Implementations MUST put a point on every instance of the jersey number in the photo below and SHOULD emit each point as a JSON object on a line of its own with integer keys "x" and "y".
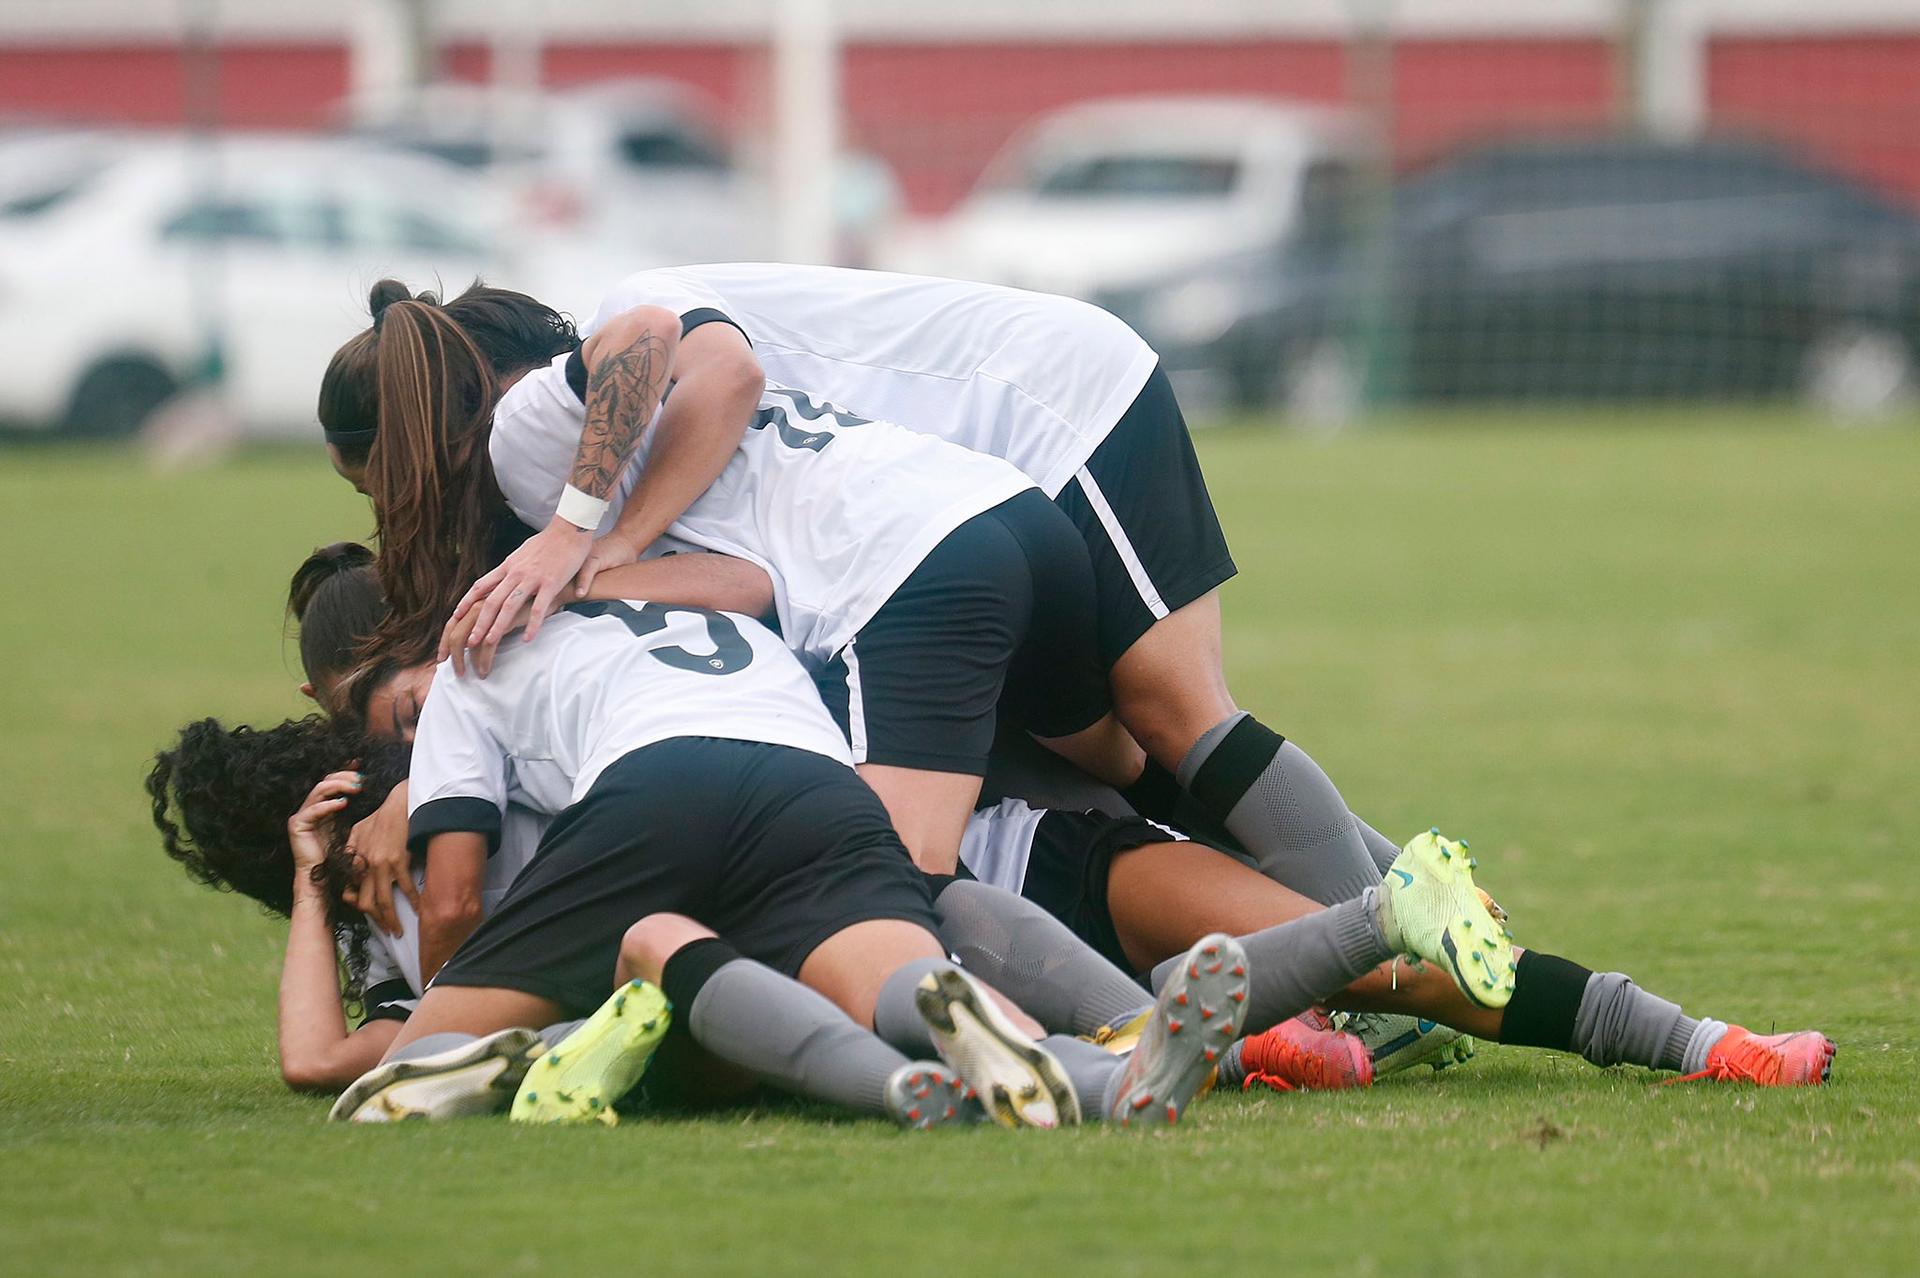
{"x": 731, "y": 651}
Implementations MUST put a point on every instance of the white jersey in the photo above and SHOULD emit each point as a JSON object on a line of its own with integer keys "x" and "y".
{"x": 1035, "y": 379}
{"x": 838, "y": 509}
{"x": 393, "y": 962}
{"x": 601, "y": 681}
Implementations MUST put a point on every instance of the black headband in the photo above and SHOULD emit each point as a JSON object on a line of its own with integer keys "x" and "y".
{"x": 349, "y": 438}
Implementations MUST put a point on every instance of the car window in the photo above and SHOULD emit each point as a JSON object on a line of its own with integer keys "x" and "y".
{"x": 43, "y": 197}
{"x": 376, "y": 223}
{"x": 1328, "y": 203}
{"x": 1138, "y": 174}
{"x": 668, "y": 149}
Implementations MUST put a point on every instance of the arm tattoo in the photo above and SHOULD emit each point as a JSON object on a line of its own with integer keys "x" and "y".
{"x": 623, "y": 392}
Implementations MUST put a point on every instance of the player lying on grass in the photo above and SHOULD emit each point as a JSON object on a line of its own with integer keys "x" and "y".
{"x": 930, "y": 577}
{"x": 1141, "y": 896}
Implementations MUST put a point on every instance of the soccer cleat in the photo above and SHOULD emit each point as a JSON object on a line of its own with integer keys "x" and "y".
{"x": 926, "y": 1094}
{"x": 580, "y": 1080}
{"x": 474, "y": 1078}
{"x": 1121, "y": 1039}
{"x": 1800, "y": 1059}
{"x": 1431, "y": 910}
{"x": 1196, "y": 1018}
{"x": 1018, "y": 1082}
{"x": 1398, "y": 1042}
{"x": 1299, "y": 1055}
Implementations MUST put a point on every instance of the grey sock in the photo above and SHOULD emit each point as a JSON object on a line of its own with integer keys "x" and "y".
{"x": 430, "y": 1044}
{"x": 1295, "y": 965}
{"x": 1035, "y": 959}
{"x": 1621, "y": 1024}
{"x": 1382, "y": 849}
{"x": 1092, "y": 1071}
{"x": 1288, "y": 816}
{"x": 556, "y": 1034}
{"x": 896, "y": 1017}
{"x": 785, "y": 1034}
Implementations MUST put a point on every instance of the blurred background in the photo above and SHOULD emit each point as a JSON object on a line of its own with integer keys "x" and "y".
{"x": 1317, "y": 211}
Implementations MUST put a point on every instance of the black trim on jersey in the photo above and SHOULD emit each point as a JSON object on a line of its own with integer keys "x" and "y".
{"x": 454, "y": 815}
{"x": 384, "y": 1001}
{"x": 577, "y": 362}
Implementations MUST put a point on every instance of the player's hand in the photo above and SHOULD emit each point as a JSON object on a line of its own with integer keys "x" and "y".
{"x": 532, "y": 576}
{"x": 307, "y": 829}
{"x": 378, "y": 846}
{"x": 470, "y": 651}
{"x": 611, "y": 551}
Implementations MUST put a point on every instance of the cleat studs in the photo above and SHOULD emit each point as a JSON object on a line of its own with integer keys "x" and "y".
{"x": 1215, "y": 968}
{"x": 1181, "y": 998}
{"x": 1467, "y": 925}
{"x": 1473, "y": 863}
{"x": 532, "y": 1096}
{"x": 553, "y": 1058}
{"x": 1206, "y": 1013}
{"x": 1173, "y": 1027}
{"x": 951, "y": 1111}
{"x": 1435, "y": 831}
{"x": 1173, "y": 1114}
{"x": 1238, "y": 996}
{"x": 619, "y": 1004}
{"x": 1211, "y": 1054}
{"x": 913, "y": 1115}
{"x": 1445, "y": 855}
{"x": 1193, "y": 972}
{"x": 1211, "y": 950}
{"x": 1465, "y": 844}
{"x": 1239, "y": 969}
{"x": 1141, "y": 1101}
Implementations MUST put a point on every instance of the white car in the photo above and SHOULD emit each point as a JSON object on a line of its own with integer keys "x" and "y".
{"x": 1111, "y": 193}
{"x": 121, "y": 254}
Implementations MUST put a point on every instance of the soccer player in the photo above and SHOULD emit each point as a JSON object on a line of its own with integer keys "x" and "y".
{"x": 923, "y": 579}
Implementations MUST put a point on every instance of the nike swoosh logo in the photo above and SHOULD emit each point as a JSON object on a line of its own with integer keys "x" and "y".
{"x": 1406, "y": 879}
{"x": 1453, "y": 957}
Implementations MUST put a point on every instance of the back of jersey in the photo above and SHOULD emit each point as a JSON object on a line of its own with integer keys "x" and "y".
{"x": 605, "y": 679}
{"x": 839, "y": 509}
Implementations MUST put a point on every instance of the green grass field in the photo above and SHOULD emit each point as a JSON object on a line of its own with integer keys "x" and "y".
{"x": 1663, "y": 674}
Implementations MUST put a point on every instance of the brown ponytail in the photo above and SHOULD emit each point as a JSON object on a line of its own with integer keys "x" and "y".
{"x": 428, "y": 473}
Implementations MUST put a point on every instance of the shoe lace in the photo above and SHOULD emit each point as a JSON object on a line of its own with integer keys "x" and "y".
{"x": 1277, "y": 1062}
{"x": 1264, "y": 1079}
{"x": 1750, "y": 1060}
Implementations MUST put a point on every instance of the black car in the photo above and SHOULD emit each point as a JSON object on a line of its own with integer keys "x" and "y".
{"x": 1563, "y": 269}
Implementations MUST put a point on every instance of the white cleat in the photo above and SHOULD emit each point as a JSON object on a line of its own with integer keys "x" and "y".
{"x": 926, "y": 1094}
{"x": 1017, "y": 1081}
{"x": 480, "y": 1077}
{"x": 1197, "y": 1016}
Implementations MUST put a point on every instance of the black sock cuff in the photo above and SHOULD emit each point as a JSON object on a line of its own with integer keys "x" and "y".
{"x": 1154, "y": 794}
{"x": 1235, "y": 764}
{"x": 938, "y": 883}
{"x": 1546, "y": 1002}
{"x": 688, "y": 970}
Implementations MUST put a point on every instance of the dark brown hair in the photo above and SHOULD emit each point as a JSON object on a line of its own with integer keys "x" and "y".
{"x": 335, "y": 600}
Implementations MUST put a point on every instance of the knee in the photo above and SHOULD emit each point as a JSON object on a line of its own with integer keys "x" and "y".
{"x": 1165, "y": 718}
{"x": 648, "y": 944}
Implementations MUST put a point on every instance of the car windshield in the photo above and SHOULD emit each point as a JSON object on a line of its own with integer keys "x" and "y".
{"x": 1142, "y": 173}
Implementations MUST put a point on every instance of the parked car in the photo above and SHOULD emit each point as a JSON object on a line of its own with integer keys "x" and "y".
{"x": 118, "y": 253}
{"x": 1567, "y": 269}
{"x": 637, "y": 166}
{"x": 1110, "y": 193}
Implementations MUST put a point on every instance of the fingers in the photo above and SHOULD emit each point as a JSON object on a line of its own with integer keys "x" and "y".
{"x": 588, "y": 571}
{"x": 543, "y": 605}
{"x": 454, "y": 640}
{"x": 483, "y": 658}
{"x": 334, "y": 785}
{"x": 498, "y": 610}
{"x": 382, "y": 915}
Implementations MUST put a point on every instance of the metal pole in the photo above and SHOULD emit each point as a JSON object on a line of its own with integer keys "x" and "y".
{"x": 806, "y": 98}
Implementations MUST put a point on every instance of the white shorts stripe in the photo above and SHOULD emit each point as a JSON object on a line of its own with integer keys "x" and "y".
{"x": 1149, "y": 593}
{"x": 856, "y": 708}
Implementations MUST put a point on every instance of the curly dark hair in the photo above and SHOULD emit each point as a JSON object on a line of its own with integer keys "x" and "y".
{"x": 221, "y": 798}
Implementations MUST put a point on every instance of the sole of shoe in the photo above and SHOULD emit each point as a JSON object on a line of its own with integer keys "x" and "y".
{"x": 476, "y": 1078}
{"x": 1474, "y": 948}
{"x": 580, "y": 1080}
{"x": 1017, "y": 1081}
{"x": 923, "y": 1095}
{"x": 1197, "y": 1016}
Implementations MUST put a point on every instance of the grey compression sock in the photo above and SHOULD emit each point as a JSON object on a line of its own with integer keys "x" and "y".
{"x": 1281, "y": 807}
{"x": 1035, "y": 959}
{"x": 1295, "y": 965}
{"x": 785, "y": 1034}
{"x": 896, "y": 1017}
{"x": 1382, "y": 849}
{"x": 1621, "y": 1024}
{"x": 1093, "y": 1072}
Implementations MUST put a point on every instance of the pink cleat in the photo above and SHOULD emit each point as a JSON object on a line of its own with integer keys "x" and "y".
{"x": 1803, "y": 1058}
{"x": 1303, "y": 1055}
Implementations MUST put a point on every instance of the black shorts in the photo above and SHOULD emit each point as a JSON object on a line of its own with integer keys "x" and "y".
{"x": 776, "y": 849}
{"x": 1000, "y": 616}
{"x": 1142, "y": 505}
{"x": 1067, "y": 871}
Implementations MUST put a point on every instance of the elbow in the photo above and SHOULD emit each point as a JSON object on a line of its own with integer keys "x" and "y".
{"x": 302, "y": 1074}
{"x": 458, "y": 916}
{"x": 742, "y": 374}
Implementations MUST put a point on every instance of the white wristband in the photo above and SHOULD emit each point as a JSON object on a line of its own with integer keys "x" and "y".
{"x": 580, "y": 509}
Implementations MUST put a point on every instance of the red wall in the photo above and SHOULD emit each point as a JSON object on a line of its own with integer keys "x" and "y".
{"x": 938, "y": 112}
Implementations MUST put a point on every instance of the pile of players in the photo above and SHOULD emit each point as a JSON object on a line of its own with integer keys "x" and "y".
{"x": 812, "y": 679}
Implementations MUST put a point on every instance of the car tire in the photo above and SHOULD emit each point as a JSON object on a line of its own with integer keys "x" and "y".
{"x": 1858, "y": 372}
{"x": 1319, "y": 385}
{"x": 116, "y": 396}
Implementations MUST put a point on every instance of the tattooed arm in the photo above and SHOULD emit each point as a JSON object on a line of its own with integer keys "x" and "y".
{"x": 717, "y": 386}
{"x": 629, "y": 362}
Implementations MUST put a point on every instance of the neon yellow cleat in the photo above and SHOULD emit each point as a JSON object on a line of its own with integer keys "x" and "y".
{"x": 580, "y": 1080}
{"x": 1430, "y": 909}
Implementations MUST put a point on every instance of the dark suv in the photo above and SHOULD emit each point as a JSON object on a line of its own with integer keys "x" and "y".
{"x": 1561, "y": 269}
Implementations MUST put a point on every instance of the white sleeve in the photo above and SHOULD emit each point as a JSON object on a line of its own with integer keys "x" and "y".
{"x": 536, "y": 431}
{"x": 459, "y": 772}
{"x": 692, "y": 300}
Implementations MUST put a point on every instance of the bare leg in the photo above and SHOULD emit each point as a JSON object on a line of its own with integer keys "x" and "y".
{"x": 929, "y": 810}
{"x": 851, "y": 966}
{"x": 1171, "y": 685}
{"x": 473, "y": 1009}
{"x": 1106, "y": 751}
